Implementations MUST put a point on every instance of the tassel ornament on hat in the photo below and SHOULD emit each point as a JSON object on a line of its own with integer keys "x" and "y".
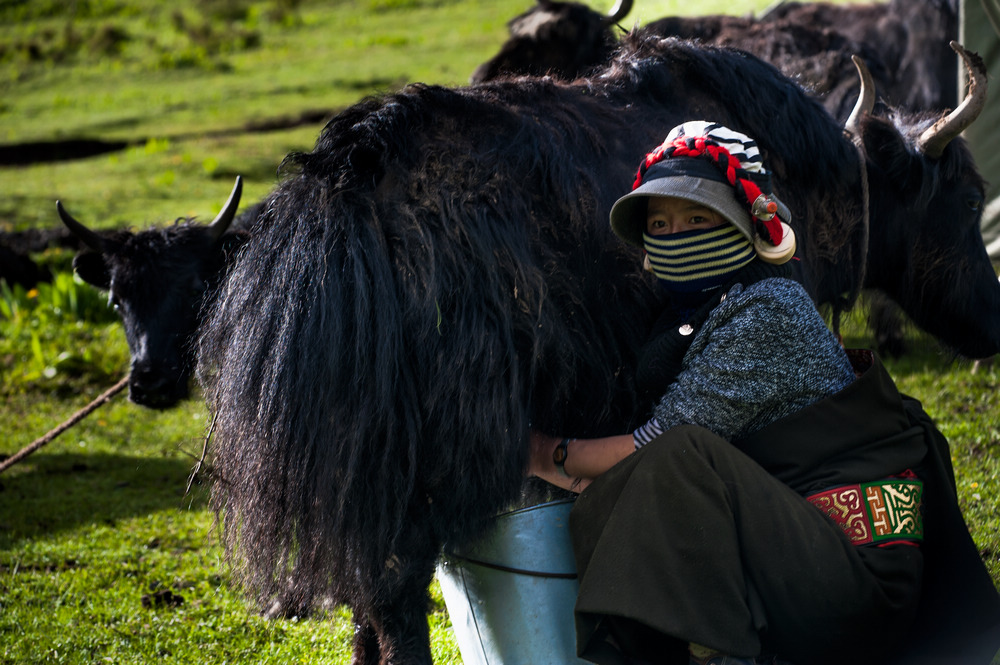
{"x": 776, "y": 254}
{"x": 765, "y": 208}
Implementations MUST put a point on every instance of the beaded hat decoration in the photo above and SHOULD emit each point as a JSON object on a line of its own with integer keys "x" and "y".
{"x": 716, "y": 167}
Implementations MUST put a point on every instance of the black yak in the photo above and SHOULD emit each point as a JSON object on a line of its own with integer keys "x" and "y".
{"x": 17, "y": 268}
{"x": 439, "y": 272}
{"x": 558, "y": 38}
{"x": 910, "y": 38}
{"x": 904, "y": 42}
{"x": 157, "y": 279}
{"x": 16, "y": 247}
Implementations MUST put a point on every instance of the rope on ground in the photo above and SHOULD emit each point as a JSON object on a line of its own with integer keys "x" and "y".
{"x": 74, "y": 419}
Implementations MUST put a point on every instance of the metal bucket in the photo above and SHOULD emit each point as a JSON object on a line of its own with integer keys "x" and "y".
{"x": 510, "y": 596}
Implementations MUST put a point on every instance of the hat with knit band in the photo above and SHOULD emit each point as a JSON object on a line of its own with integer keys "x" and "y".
{"x": 719, "y": 168}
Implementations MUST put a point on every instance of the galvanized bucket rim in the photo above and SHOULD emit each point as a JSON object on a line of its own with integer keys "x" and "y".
{"x": 480, "y": 557}
{"x": 537, "y": 506}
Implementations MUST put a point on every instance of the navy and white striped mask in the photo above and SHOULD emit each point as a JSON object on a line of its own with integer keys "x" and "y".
{"x": 698, "y": 260}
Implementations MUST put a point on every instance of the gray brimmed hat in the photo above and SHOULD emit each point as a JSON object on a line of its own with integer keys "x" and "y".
{"x": 718, "y": 168}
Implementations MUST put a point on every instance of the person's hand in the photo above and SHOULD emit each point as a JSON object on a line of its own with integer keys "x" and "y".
{"x": 586, "y": 458}
{"x": 540, "y": 454}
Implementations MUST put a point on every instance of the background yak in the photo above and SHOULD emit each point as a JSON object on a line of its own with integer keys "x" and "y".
{"x": 17, "y": 267}
{"x": 561, "y": 39}
{"x": 568, "y": 39}
{"x": 910, "y": 38}
{"x": 439, "y": 272}
{"x": 904, "y": 42}
{"x": 157, "y": 280}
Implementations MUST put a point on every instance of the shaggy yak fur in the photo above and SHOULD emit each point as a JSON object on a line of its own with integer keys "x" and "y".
{"x": 438, "y": 273}
{"x": 904, "y": 42}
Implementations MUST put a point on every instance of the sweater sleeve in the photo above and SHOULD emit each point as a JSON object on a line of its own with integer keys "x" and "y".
{"x": 763, "y": 353}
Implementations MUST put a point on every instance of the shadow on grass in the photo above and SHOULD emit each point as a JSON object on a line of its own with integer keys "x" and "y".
{"x": 42, "y": 152}
{"x": 59, "y": 492}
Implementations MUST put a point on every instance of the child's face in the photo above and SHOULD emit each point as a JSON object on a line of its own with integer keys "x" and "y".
{"x": 668, "y": 214}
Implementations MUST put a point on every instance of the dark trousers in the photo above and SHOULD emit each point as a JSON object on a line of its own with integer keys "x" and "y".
{"x": 690, "y": 540}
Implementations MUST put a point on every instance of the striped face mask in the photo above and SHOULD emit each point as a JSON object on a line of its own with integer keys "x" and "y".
{"x": 697, "y": 260}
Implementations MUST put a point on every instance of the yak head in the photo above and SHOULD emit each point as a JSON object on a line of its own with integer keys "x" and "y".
{"x": 156, "y": 280}
{"x": 926, "y": 249}
{"x": 563, "y": 39}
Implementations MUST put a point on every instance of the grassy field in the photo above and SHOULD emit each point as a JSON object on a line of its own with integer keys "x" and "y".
{"x": 103, "y": 556}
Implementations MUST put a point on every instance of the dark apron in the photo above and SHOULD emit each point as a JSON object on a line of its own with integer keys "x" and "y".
{"x": 695, "y": 539}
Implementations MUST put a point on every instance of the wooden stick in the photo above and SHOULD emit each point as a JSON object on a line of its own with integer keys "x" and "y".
{"x": 74, "y": 419}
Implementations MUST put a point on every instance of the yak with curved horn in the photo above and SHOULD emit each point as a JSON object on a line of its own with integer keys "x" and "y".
{"x": 904, "y": 42}
{"x": 914, "y": 266}
{"x": 439, "y": 272}
{"x": 156, "y": 280}
{"x": 555, "y": 38}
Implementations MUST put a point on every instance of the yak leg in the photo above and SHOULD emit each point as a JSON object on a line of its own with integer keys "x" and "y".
{"x": 886, "y": 322}
{"x": 396, "y": 633}
{"x": 403, "y": 633}
{"x": 397, "y": 616}
{"x": 366, "y": 649}
{"x": 404, "y": 636}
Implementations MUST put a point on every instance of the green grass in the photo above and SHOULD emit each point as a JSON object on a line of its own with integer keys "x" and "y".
{"x": 104, "y": 559}
{"x": 98, "y": 540}
{"x": 112, "y": 545}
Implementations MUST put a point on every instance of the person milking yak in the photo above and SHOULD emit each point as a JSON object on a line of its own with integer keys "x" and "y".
{"x": 784, "y": 503}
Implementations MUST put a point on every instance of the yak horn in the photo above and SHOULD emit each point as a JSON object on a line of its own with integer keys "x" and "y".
{"x": 226, "y": 216}
{"x": 618, "y": 12}
{"x": 86, "y": 236}
{"x": 934, "y": 140}
{"x": 866, "y": 98}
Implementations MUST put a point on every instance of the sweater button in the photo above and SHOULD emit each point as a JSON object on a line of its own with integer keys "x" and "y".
{"x": 685, "y": 329}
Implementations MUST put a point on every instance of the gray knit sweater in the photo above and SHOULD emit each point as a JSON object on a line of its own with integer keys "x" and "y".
{"x": 763, "y": 353}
